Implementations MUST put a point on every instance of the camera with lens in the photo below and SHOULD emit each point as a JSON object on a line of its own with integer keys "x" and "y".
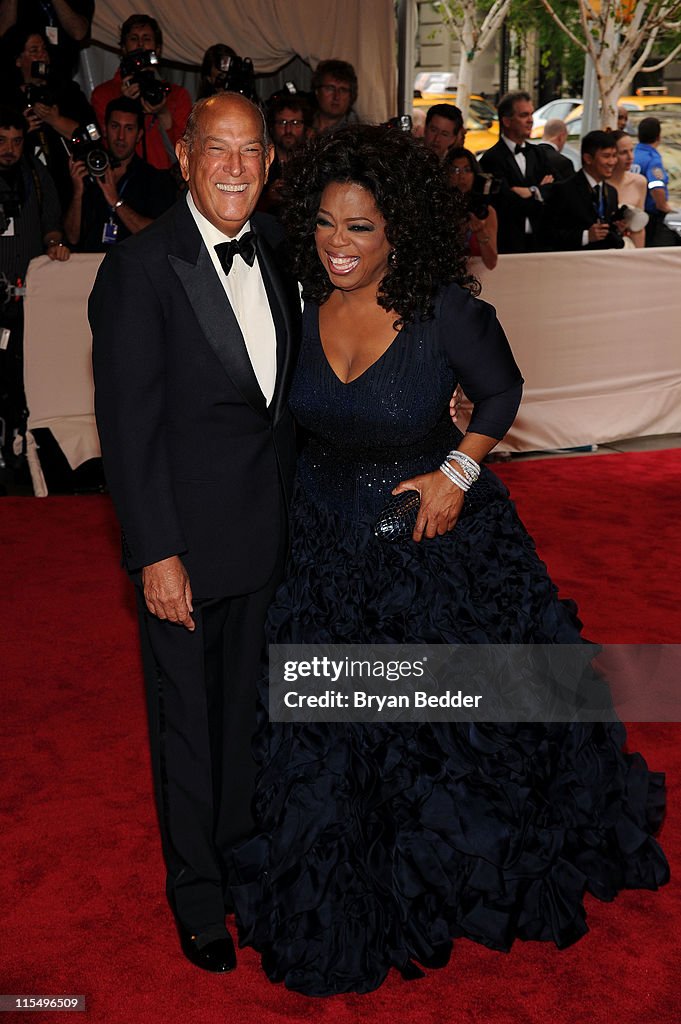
{"x": 140, "y": 66}
{"x": 86, "y": 145}
{"x": 10, "y": 207}
{"x": 236, "y": 74}
{"x": 484, "y": 185}
{"x": 39, "y": 92}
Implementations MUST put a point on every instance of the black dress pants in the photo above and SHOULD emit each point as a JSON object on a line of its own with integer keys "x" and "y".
{"x": 201, "y": 699}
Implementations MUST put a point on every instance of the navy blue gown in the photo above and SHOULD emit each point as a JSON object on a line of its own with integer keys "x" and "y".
{"x": 377, "y": 843}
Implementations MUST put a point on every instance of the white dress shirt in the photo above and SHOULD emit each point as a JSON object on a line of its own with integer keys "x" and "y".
{"x": 245, "y": 290}
{"x": 522, "y": 164}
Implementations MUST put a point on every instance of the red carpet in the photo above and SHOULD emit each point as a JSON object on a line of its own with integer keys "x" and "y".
{"x": 82, "y": 880}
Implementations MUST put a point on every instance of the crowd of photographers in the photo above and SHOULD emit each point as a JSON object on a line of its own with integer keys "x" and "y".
{"x": 79, "y": 175}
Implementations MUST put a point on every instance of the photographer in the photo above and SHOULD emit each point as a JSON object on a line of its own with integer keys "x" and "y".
{"x": 29, "y": 227}
{"x": 52, "y": 105}
{"x": 166, "y": 106}
{"x": 65, "y": 23}
{"x": 128, "y": 194}
{"x": 463, "y": 172}
{"x": 583, "y": 212}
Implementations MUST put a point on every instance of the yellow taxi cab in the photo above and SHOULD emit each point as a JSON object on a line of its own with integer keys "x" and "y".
{"x": 650, "y": 99}
{"x": 482, "y": 123}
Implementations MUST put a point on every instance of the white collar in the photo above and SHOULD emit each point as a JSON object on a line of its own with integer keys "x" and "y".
{"x": 211, "y": 235}
{"x": 592, "y": 181}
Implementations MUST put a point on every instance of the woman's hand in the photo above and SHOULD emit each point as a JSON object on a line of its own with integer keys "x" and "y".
{"x": 441, "y": 503}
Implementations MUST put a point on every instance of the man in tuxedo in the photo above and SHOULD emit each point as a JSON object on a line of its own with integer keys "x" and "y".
{"x": 194, "y": 325}
{"x": 582, "y": 211}
{"x": 553, "y": 140}
{"x": 524, "y": 172}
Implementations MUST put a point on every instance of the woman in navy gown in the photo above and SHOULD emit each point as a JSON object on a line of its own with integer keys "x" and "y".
{"x": 377, "y": 844}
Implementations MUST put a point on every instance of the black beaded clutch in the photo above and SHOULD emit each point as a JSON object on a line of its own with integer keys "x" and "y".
{"x": 398, "y": 519}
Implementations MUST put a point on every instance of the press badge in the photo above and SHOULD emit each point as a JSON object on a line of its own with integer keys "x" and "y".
{"x": 52, "y": 33}
{"x": 110, "y": 233}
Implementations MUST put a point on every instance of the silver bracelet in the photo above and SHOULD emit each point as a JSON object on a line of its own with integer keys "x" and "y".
{"x": 456, "y": 478}
{"x": 469, "y": 467}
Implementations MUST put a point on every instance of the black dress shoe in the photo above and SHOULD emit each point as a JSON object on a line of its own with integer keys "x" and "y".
{"x": 216, "y": 955}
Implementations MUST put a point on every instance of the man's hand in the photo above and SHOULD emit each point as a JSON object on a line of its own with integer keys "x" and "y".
{"x": 34, "y": 122}
{"x": 598, "y": 231}
{"x": 47, "y": 114}
{"x": 108, "y": 186}
{"x": 167, "y": 591}
{"x": 547, "y": 180}
{"x": 58, "y": 251}
{"x": 130, "y": 89}
{"x": 78, "y": 172}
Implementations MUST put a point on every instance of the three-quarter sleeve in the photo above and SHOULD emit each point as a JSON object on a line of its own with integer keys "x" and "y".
{"x": 481, "y": 356}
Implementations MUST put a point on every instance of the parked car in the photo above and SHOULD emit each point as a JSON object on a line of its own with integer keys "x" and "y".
{"x": 561, "y": 108}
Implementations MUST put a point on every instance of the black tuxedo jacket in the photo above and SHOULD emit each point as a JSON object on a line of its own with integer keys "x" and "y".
{"x": 571, "y": 209}
{"x": 196, "y": 463}
{"x": 512, "y": 210}
{"x": 561, "y": 167}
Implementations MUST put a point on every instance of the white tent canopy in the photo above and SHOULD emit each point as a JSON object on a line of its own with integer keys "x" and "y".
{"x": 272, "y": 32}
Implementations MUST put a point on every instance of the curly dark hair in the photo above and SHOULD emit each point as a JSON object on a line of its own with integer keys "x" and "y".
{"x": 425, "y": 221}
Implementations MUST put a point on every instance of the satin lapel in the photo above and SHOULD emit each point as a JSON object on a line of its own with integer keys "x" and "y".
{"x": 280, "y": 309}
{"x": 219, "y": 324}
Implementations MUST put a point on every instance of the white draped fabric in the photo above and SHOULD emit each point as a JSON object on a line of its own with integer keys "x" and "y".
{"x": 272, "y": 32}
{"x": 595, "y": 334}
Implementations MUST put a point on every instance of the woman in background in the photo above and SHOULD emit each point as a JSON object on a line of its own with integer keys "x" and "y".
{"x": 462, "y": 170}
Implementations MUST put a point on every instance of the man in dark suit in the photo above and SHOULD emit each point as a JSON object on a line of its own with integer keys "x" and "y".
{"x": 582, "y": 211}
{"x": 194, "y": 325}
{"x": 524, "y": 172}
{"x": 554, "y": 138}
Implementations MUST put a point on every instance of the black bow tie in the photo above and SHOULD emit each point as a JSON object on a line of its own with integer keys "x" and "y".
{"x": 244, "y": 247}
{"x": 519, "y": 148}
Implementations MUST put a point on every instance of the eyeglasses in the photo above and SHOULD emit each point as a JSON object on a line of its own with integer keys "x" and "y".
{"x": 293, "y": 122}
{"x": 460, "y": 170}
{"x": 342, "y": 90}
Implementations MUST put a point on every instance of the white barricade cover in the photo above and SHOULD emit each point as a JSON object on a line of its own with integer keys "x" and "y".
{"x": 597, "y": 336}
{"x": 58, "y": 353}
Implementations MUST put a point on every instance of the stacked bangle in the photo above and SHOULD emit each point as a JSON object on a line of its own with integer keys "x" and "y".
{"x": 468, "y": 472}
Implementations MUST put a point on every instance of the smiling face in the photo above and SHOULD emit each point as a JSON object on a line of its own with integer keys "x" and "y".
{"x": 227, "y": 163}
{"x": 350, "y": 237}
{"x": 601, "y": 165}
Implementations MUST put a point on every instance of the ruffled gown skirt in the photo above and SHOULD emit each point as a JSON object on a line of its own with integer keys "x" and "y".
{"x": 378, "y": 843}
